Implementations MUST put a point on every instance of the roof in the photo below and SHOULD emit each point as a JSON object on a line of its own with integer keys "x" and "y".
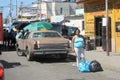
{"x": 44, "y": 31}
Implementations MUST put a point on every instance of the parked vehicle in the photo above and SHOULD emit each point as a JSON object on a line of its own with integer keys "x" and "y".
{"x": 42, "y": 43}
{"x": 1, "y": 70}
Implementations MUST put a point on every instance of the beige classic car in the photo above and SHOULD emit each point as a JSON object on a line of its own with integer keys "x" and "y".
{"x": 42, "y": 43}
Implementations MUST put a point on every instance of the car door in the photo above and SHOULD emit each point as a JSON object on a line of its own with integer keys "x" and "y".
{"x": 26, "y": 38}
{"x": 20, "y": 43}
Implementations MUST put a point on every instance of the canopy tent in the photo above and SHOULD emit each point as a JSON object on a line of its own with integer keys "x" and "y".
{"x": 38, "y": 26}
{"x": 19, "y": 25}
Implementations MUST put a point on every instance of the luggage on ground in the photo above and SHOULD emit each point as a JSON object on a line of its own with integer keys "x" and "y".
{"x": 95, "y": 66}
{"x": 84, "y": 66}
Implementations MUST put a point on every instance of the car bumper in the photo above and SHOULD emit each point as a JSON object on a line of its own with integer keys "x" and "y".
{"x": 50, "y": 51}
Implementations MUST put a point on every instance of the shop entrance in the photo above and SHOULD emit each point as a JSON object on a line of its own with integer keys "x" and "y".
{"x": 98, "y": 31}
{"x": 100, "y": 34}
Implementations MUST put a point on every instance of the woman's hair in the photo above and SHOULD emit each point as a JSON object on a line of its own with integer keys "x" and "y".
{"x": 76, "y": 30}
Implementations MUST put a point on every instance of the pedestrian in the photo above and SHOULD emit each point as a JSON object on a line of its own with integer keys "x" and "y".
{"x": 78, "y": 46}
{"x": 64, "y": 31}
{"x": 20, "y": 34}
{"x": 5, "y": 37}
{"x": 26, "y": 32}
{"x": 70, "y": 33}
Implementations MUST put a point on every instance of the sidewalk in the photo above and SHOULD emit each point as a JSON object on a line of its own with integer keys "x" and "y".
{"x": 110, "y": 62}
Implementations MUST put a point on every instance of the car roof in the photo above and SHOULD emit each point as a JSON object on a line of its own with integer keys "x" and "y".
{"x": 43, "y": 31}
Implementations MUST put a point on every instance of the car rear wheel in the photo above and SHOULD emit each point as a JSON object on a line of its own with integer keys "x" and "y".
{"x": 63, "y": 56}
{"x": 29, "y": 56}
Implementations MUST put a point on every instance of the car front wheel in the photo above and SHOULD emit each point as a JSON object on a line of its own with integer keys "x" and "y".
{"x": 19, "y": 53}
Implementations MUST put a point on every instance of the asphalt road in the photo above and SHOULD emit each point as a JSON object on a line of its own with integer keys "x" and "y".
{"x": 18, "y": 68}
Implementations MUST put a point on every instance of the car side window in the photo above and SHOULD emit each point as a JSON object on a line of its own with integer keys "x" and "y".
{"x": 51, "y": 34}
{"x": 38, "y": 35}
{"x": 34, "y": 35}
{"x": 45, "y": 34}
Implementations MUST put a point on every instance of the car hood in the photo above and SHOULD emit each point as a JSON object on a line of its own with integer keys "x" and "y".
{"x": 51, "y": 40}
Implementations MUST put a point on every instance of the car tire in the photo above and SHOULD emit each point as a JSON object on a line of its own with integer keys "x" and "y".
{"x": 19, "y": 53}
{"x": 63, "y": 56}
{"x": 29, "y": 56}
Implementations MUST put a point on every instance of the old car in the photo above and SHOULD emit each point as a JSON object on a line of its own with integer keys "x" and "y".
{"x": 47, "y": 42}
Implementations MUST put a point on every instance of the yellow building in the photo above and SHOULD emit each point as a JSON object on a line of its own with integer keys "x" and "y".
{"x": 94, "y": 20}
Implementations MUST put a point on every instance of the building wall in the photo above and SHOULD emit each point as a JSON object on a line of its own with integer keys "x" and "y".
{"x": 96, "y": 8}
{"x": 117, "y": 24}
{"x": 65, "y": 8}
{"x": 49, "y": 9}
{"x": 60, "y": 8}
{"x": 45, "y": 10}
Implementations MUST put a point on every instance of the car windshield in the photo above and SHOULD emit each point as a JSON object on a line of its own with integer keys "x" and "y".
{"x": 45, "y": 34}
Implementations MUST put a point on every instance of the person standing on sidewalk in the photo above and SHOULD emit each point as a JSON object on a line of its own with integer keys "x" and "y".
{"x": 78, "y": 46}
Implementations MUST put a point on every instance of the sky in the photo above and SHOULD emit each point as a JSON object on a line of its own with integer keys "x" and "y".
{"x": 6, "y": 4}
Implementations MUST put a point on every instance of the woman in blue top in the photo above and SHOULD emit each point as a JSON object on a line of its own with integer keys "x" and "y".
{"x": 78, "y": 46}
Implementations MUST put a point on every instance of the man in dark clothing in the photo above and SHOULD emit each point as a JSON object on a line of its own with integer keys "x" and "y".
{"x": 64, "y": 31}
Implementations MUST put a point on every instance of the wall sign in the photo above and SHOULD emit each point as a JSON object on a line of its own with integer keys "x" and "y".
{"x": 103, "y": 21}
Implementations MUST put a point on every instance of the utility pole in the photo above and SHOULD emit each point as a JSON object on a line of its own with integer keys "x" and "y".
{"x": 16, "y": 10}
{"x": 10, "y": 12}
{"x": 21, "y": 10}
{"x": 107, "y": 41}
{"x": 39, "y": 7}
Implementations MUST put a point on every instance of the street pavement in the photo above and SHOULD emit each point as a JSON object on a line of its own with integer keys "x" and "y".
{"x": 110, "y": 62}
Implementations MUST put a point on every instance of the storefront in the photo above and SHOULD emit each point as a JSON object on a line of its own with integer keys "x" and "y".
{"x": 94, "y": 20}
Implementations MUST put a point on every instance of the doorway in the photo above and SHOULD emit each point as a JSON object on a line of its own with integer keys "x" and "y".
{"x": 98, "y": 31}
{"x": 100, "y": 34}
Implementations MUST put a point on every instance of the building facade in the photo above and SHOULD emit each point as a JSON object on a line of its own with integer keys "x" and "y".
{"x": 44, "y": 10}
{"x": 94, "y": 21}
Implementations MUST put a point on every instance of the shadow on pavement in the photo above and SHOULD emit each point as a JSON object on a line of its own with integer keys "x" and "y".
{"x": 51, "y": 59}
{"x": 74, "y": 79}
{"x": 7, "y": 48}
{"x": 8, "y": 65}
